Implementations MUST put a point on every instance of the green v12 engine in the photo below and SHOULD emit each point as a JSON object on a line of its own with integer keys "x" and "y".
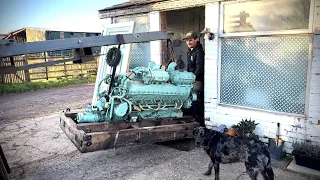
{"x": 143, "y": 94}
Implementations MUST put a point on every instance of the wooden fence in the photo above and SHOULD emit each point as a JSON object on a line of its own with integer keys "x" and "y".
{"x": 19, "y": 76}
{"x": 63, "y": 70}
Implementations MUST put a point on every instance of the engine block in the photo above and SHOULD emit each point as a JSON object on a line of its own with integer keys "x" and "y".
{"x": 145, "y": 93}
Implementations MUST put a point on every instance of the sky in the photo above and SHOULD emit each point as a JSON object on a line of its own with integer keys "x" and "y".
{"x": 76, "y": 15}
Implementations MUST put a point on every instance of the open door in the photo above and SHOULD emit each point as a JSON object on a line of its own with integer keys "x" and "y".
{"x": 103, "y": 67}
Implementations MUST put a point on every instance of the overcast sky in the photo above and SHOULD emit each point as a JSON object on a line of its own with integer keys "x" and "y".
{"x": 77, "y": 15}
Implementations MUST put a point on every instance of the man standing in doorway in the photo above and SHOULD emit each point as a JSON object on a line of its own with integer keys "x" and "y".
{"x": 195, "y": 59}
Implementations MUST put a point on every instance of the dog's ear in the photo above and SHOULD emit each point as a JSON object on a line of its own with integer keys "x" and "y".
{"x": 195, "y": 130}
{"x": 202, "y": 132}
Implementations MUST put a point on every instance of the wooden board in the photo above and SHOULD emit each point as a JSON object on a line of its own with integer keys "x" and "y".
{"x": 123, "y": 66}
{"x": 89, "y": 137}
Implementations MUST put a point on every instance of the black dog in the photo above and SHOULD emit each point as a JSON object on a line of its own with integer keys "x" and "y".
{"x": 223, "y": 148}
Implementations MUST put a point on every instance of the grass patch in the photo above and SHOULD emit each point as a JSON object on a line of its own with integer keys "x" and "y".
{"x": 33, "y": 86}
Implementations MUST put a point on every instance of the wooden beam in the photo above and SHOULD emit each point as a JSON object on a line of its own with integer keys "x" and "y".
{"x": 13, "y": 69}
{"x": 146, "y": 135}
{"x": 26, "y": 72}
{"x": 70, "y": 129}
{"x": 15, "y": 49}
{"x": 6, "y": 41}
{"x": 16, "y": 74}
{"x": 119, "y": 135}
{"x": 104, "y": 126}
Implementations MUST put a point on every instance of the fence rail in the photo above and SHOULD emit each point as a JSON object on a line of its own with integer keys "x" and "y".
{"x": 57, "y": 71}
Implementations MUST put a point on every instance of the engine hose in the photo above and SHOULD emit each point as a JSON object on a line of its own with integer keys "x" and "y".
{"x": 111, "y": 108}
{"x": 149, "y": 107}
{"x": 123, "y": 91}
{"x": 158, "y": 106}
{"x": 107, "y": 112}
{"x": 165, "y": 104}
{"x": 135, "y": 71}
{"x": 157, "y": 109}
{"x": 141, "y": 107}
{"x": 136, "y": 108}
{"x": 176, "y": 104}
{"x": 98, "y": 91}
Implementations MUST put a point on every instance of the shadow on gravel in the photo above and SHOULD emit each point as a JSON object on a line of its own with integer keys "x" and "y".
{"x": 181, "y": 144}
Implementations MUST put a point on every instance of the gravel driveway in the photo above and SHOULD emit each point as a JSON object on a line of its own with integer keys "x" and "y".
{"x": 36, "y": 147}
{"x": 42, "y": 102}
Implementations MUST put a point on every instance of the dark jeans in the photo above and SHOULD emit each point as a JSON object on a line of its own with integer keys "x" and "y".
{"x": 197, "y": 109}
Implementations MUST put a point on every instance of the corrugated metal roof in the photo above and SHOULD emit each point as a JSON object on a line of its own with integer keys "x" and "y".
{"x": 131, "y": 4}
{"x": 60, "y": 29}
{"x": 46, "y": 29}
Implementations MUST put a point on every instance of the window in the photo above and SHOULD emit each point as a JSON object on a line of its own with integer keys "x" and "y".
{"x": 260, "y": 69}
{"x": 265, "y": 72}
{"x": 52, "y": 35}
{"x": 140, "y": 53}
{"x": 267, "y": 16}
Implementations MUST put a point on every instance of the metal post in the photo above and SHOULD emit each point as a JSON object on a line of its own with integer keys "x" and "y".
{"x": 45, "y": 60}
{"x": 65, "y": 69}
{"x": 80, "y": 69}
{"x": 26, "y": 72}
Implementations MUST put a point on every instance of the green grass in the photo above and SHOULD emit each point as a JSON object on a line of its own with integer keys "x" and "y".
{"x": 32, "y": 86}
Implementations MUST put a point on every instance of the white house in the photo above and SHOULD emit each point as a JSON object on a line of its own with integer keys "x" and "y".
{"x": 263, "y": 64}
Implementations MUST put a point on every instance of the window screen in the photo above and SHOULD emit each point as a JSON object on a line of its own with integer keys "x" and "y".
{"x": 265, "y": 72}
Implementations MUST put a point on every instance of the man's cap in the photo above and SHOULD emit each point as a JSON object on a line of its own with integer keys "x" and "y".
{"x": 190, "y": 35}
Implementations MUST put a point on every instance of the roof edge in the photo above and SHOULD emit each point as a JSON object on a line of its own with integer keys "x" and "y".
{"x": 130, "y": 4}
{"x": 45, "y": 29}
{"x": 14, "y": 33}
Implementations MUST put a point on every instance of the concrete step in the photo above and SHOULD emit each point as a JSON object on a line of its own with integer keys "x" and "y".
{"x": 303, "y": 170}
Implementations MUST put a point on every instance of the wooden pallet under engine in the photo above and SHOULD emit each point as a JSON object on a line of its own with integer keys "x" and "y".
{"x": 89, "y": 137}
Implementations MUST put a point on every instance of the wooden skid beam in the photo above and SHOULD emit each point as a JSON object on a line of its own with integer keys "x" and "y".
{"x": 70, "y": 129}
{"x": 105, "y": 126}
{"x": 112, "y": 138}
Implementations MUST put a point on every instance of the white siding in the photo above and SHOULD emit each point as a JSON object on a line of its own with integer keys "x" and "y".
{"x": 292, "y": 128}
{"x": 155, "y": 46}
{"x": 211, "y": 62}
{"x": 313, "y": 128}
{"x": 102, "y": 63}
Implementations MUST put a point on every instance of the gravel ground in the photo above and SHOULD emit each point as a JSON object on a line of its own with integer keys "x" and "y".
{"x": 36, "y": 147}
{"x": 42, "y": 102}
